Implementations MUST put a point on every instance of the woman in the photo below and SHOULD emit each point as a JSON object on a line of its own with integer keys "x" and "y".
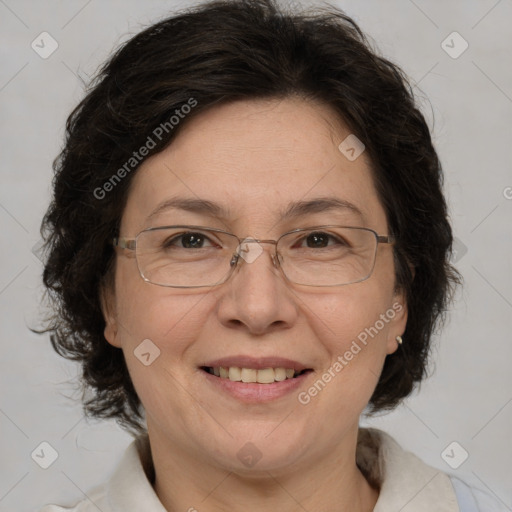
{"x": 248, "y": 245}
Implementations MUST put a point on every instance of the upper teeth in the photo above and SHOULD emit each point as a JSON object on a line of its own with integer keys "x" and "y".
{"x": 263, "y": 376}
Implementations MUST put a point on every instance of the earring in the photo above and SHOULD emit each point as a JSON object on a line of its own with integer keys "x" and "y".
{"x": 399, "y": 340}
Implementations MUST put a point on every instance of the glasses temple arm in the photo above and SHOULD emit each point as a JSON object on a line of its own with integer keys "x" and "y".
{"x": 386, "y": 239}
{"x": 124, "y": 243}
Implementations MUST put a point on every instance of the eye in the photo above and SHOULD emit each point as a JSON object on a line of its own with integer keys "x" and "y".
{"x": 320, "y": 240}
{"x": 188, "y": 240}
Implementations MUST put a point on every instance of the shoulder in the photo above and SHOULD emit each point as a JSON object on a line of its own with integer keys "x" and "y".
{"x": 405, "y": 480}
{"x": 128, "y": 489}
{"x": 96, "y": 500}
{"x": 471, "y": 499}
{"x": 83, "y": 506}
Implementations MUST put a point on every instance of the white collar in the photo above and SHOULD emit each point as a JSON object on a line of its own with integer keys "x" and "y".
{"x": 406, "y": 483}
{"x": 130, "y": 488}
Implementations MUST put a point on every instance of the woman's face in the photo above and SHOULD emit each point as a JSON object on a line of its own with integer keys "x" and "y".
{"x": 254, "y": 160}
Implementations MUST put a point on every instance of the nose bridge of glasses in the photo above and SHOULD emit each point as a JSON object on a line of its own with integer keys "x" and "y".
{"x": 250, "y": 249}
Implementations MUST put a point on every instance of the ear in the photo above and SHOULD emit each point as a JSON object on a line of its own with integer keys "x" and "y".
{"x": 108, "y": 308}
{"x": 398, "y": 321}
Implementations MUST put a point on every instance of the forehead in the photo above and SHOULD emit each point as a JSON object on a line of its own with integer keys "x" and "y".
{"x": 254, "y": 159}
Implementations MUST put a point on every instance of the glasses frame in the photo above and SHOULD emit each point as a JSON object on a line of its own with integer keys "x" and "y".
{"x": 131, "y": 245}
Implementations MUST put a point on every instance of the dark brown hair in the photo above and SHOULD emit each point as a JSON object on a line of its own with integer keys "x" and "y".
{"x": 216, "y": 53}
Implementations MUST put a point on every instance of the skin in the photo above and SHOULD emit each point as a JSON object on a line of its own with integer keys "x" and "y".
{"x": 253, "y": 158}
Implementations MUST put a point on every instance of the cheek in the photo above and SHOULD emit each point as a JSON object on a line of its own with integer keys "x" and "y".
{"x": 349, "y": 315}
{"x": 157, "y": 328}
{"x": 352, "y": 327}
{"x": 158, "y": 335}
{"x": 348, "y": 328}
{"x": 172, "y": 322}
{"x": 145, "y": 310}
{"x": 353, "y": 338}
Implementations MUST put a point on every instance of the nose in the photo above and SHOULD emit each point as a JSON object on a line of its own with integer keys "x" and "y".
{"x": 257, "y": 298}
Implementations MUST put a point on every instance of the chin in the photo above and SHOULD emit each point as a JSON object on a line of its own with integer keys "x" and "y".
{"x": 256, "y": 451}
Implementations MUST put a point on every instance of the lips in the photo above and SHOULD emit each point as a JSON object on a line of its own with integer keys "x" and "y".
{"x": 244, "y": 369}
{"x": 255, "y": 392}
{"x": 256, "y": 363}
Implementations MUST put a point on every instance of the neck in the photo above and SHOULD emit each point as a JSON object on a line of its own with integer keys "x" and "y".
{"x": 329, "y": 481}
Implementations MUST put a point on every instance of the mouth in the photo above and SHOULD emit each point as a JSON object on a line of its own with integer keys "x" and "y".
{"x": 252, "y": 380}
{"x": 254, "y": 375}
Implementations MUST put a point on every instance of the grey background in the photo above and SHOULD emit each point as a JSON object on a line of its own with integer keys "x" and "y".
{"x": 469, "y": 397}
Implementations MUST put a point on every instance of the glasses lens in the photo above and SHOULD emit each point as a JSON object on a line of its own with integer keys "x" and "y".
{"x": 187, "y": 257}
{"x": 328, "y": 256}
{"x": 184, "y": 256}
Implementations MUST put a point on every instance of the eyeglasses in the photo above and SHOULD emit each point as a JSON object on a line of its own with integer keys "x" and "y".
{"x": 195, "y": 256}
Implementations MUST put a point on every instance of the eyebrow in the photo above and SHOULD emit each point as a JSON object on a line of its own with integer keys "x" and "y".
{"x": 202, "y": 206}
{"x": 294, "y": 209}
{"x": 319, "y": 205}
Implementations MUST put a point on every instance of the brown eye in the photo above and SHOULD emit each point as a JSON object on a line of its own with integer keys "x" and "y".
{"x": 192, "y": 240}
{"x": 188, "y": 241}
{"x": 321, "y": 240}
{"x": 317, "y": 240}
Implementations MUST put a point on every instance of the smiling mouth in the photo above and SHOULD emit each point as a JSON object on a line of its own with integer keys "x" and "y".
{"x": 251, "y": 375}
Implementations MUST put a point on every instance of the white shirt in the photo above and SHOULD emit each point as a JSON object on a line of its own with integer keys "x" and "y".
{"x": 406, "y": 483}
